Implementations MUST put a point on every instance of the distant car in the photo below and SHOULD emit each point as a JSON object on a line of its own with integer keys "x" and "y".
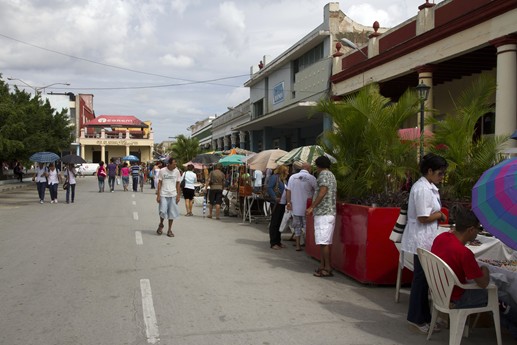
{"x": 88, "y": 168}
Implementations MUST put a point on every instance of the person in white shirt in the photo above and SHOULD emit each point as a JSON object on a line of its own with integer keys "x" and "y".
{"x": 424, "y": 213}
{"x": 70, "y": 174}
{"x": 168, "y": 195}
{"x": 188, "y": 190}
{"x": 300, "y": 187}
{"x": 41, "y": 181}
{"x": 54, "y": 178}
{"x": 257, "y": 181}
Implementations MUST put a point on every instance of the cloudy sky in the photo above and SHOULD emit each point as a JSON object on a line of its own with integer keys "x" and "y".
{"x": 172, "y": 62}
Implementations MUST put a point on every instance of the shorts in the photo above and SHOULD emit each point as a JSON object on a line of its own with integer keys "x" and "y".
{"x": 168, "y": 207}
{"x": 324, "y": 229}
{"x": 298, "y": 225}
{"x": 215, "y": 196}
{"x": 188, "y": 193}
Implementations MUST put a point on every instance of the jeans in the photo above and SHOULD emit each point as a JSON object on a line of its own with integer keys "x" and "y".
{"x": 42, "y": 187}
{"x": 53, "y": 190}
{"x": 274, "y": 225}
{"x": 419, "y": 311}
{"x": 70, "y": 187}
{"x": 135, "y": 183}
{"x": 111, "y": 182}
{"x": 472, "y": 299}
{"x": 101, "y": 184}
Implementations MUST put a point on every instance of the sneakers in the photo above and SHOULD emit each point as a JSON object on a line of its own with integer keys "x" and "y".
{"x": 423, "y": 328}
{"x": 41, "y": 201}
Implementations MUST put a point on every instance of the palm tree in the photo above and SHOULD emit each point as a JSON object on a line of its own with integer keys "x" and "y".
{"x": 184, "y": 149}
{"x": 454, "y": 139}
{"x": 371, "y": 158}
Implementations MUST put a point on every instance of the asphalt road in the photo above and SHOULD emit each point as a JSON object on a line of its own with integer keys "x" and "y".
{"x": 95, "y": 272}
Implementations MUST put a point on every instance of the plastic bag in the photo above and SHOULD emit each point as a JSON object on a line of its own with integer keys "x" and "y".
{"x": 287, "y": 220}
{"x": 118, "y": 180}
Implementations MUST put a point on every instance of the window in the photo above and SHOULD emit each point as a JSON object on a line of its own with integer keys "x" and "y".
{"x": 311, "y": 57}
{"x": 258, "y": 108}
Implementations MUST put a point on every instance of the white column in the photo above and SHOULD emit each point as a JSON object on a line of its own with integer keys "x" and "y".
{"x": 506, "y": 94}
{"x": 103, "y": 153}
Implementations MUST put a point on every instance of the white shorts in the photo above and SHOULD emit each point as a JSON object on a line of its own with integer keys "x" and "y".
{"x": 324, "y": 229}
{"x": 168, "y": 208}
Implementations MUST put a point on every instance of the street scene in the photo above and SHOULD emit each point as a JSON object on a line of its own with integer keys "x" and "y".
{"x": 95, "y": 272}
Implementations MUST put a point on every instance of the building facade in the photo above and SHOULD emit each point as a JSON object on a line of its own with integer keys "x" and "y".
{"x": 224, "y": 135}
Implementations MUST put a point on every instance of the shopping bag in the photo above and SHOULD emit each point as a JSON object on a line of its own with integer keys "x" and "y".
{"x": 118, "y": 180}
{"x": 286, "y": 221}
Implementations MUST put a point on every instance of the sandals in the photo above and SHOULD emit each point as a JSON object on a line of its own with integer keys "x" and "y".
{"x": 170, "y": 234}
{"x": 160, "y": 231}
{"x": 323, "y": 273}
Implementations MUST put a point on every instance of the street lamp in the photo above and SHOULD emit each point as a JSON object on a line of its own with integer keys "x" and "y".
{"x": 352, "y": 45}
{"x": 423, "y": 93}
{"x": 37, "y": 88}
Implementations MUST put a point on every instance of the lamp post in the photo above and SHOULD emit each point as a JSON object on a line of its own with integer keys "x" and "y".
{"x": 352, "y": 45}
{"x": 37, "y": 88}
{"x": 423, "y": 93}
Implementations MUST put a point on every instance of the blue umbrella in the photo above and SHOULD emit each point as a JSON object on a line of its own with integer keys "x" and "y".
{"x": 44, "y": 157}
{"x": 131, "y": 158}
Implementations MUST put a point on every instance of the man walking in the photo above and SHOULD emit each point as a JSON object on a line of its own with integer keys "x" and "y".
{"x": 300, "y": 187}
{"x": 215, "y": 194}
{"x": 168, "y": 195}
{"x": 135, "y": 172}
{"x": 112, "y": 174}
{"x": 324, "y": 209}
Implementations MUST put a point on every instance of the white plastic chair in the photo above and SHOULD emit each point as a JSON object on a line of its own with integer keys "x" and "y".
{"x": 441, "y": 279}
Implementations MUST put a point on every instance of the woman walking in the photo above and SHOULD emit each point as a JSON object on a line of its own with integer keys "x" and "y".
{"x": 54, "y": 178}
{"x": 424, "y": 213}
{"x": 187, "y": 181}
{"x": 101, "y": 176}
{"x": 124, "y": 172}
{"x": 70, "y": 174}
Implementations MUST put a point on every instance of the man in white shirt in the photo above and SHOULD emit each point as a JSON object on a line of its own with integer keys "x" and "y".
{"x": 168, "y": 195}
{"x": 300, "y": 187}
{"x": 257, "y": 181}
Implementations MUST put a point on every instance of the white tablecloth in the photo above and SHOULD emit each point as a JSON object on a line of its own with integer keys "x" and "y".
{"x": 490, "y": 248}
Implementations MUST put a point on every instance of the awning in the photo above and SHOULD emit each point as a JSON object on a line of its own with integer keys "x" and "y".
{"x": 116, "y": 121}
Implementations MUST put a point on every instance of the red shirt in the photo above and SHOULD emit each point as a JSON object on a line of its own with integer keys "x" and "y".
{"x": 460, "y": 259}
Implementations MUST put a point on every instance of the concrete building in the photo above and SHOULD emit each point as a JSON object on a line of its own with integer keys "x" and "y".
{"x": 445, "y": 46}
{"x": 224, "y": 135}
{"x": 284, "y": 91}
{"x": 202, "y": 130}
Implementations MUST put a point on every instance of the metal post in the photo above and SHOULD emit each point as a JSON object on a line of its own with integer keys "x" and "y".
{"x": 422, "y": 114}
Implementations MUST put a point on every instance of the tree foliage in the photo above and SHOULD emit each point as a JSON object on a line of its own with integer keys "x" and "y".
{"x": 454, "y": 139}
{"x": 371, "y": 158}
{"x": 184, "y": 149}
{"x": 29, "y": 125}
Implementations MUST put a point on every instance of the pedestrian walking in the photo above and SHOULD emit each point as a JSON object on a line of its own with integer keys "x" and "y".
{"x": 40, "y": 178}
{"x": 124, "y": 172}
{"x": 324, "y": 209}
{"x": 189, "y": 178}
{"x": 215, "y": 193}
{"x": 101, "y": 176}
{"x": 141, "y": 176}
{"x": 168, "y": 195}
{"x": 112, "y": 174}
{"x": 54, "y": 179}
{"x": 277, "y": 197}
{"x": 135, "y": 173}
{"x": 70, "y": 174}
{"x": 18, "y": 171}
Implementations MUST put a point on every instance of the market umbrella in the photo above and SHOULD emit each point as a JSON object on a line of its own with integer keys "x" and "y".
{"x": 72, "y": 159}
{"x": 304, "y": 154}
{"x": 206, "y": 158}
{"x": 232, "y": 160}
{"x": 44, "y": 157}
{"x": 196, "y": 165}
{"x": 265, "y": 159}
{"x": 494, "y": 201}
{"x": 131, "y": 158}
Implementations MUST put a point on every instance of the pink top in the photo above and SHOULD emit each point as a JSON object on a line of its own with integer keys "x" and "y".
{"x": 124, "y": 171}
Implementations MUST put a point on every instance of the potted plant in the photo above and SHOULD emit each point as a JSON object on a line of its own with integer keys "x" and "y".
{"x": 371, "y": 163}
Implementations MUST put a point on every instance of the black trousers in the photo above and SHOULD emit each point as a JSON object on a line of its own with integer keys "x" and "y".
{"x": 275, "y": 236}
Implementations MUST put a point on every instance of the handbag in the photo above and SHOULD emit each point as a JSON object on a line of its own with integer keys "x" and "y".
{"x": 66, "y": 185}
{"x": 182, "y": 183}
{"x": 276, "y": 190}
{"x": 400, "y": 225}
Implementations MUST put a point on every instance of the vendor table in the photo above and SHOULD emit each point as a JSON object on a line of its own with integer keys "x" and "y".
{"x": 488, "y": 248}
{"x": 262, "y": 205}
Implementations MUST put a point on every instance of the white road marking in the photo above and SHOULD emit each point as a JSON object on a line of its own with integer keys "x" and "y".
{"x": 135, "y": 215}
{"x": 134, "y": 203}
{"x": 151, "y": 324}
{"x": 133, "y": 195}
{"x": 138, "y": 237}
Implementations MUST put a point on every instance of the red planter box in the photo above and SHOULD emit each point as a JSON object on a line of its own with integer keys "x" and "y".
{"x": 361, "y": 246}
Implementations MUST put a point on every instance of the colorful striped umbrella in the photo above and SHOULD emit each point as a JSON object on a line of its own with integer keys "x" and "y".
{"x": 306, "y": 154}
{"x": 494, "y": 201}
{"x": 265, "y": 159}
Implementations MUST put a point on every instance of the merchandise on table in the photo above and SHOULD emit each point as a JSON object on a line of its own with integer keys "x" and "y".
{"x": 510, "y": 265}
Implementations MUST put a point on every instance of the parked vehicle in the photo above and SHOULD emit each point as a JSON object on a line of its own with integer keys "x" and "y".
{"x": 88, "y": 168}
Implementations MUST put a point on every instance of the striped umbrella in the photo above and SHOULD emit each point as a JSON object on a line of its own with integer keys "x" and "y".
{"x": 494, "y": 201}
{"x": 306, "y": 154}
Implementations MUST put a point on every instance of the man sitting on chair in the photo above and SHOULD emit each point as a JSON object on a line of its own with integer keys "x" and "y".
{"x": 450, "y": 247}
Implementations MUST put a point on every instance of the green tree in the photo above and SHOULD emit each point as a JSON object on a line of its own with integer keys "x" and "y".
{"x": 371, "y": 158}
{"x": 184, "y": 149}
{"x": 454, "y": 139}
{"x": 29, "y": 125}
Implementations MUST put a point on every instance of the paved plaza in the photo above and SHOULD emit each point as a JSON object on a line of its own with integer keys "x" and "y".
{"x": 95, "y": 272}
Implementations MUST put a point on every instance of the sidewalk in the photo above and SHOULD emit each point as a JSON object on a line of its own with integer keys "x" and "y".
{"x": 11, "y": 184}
